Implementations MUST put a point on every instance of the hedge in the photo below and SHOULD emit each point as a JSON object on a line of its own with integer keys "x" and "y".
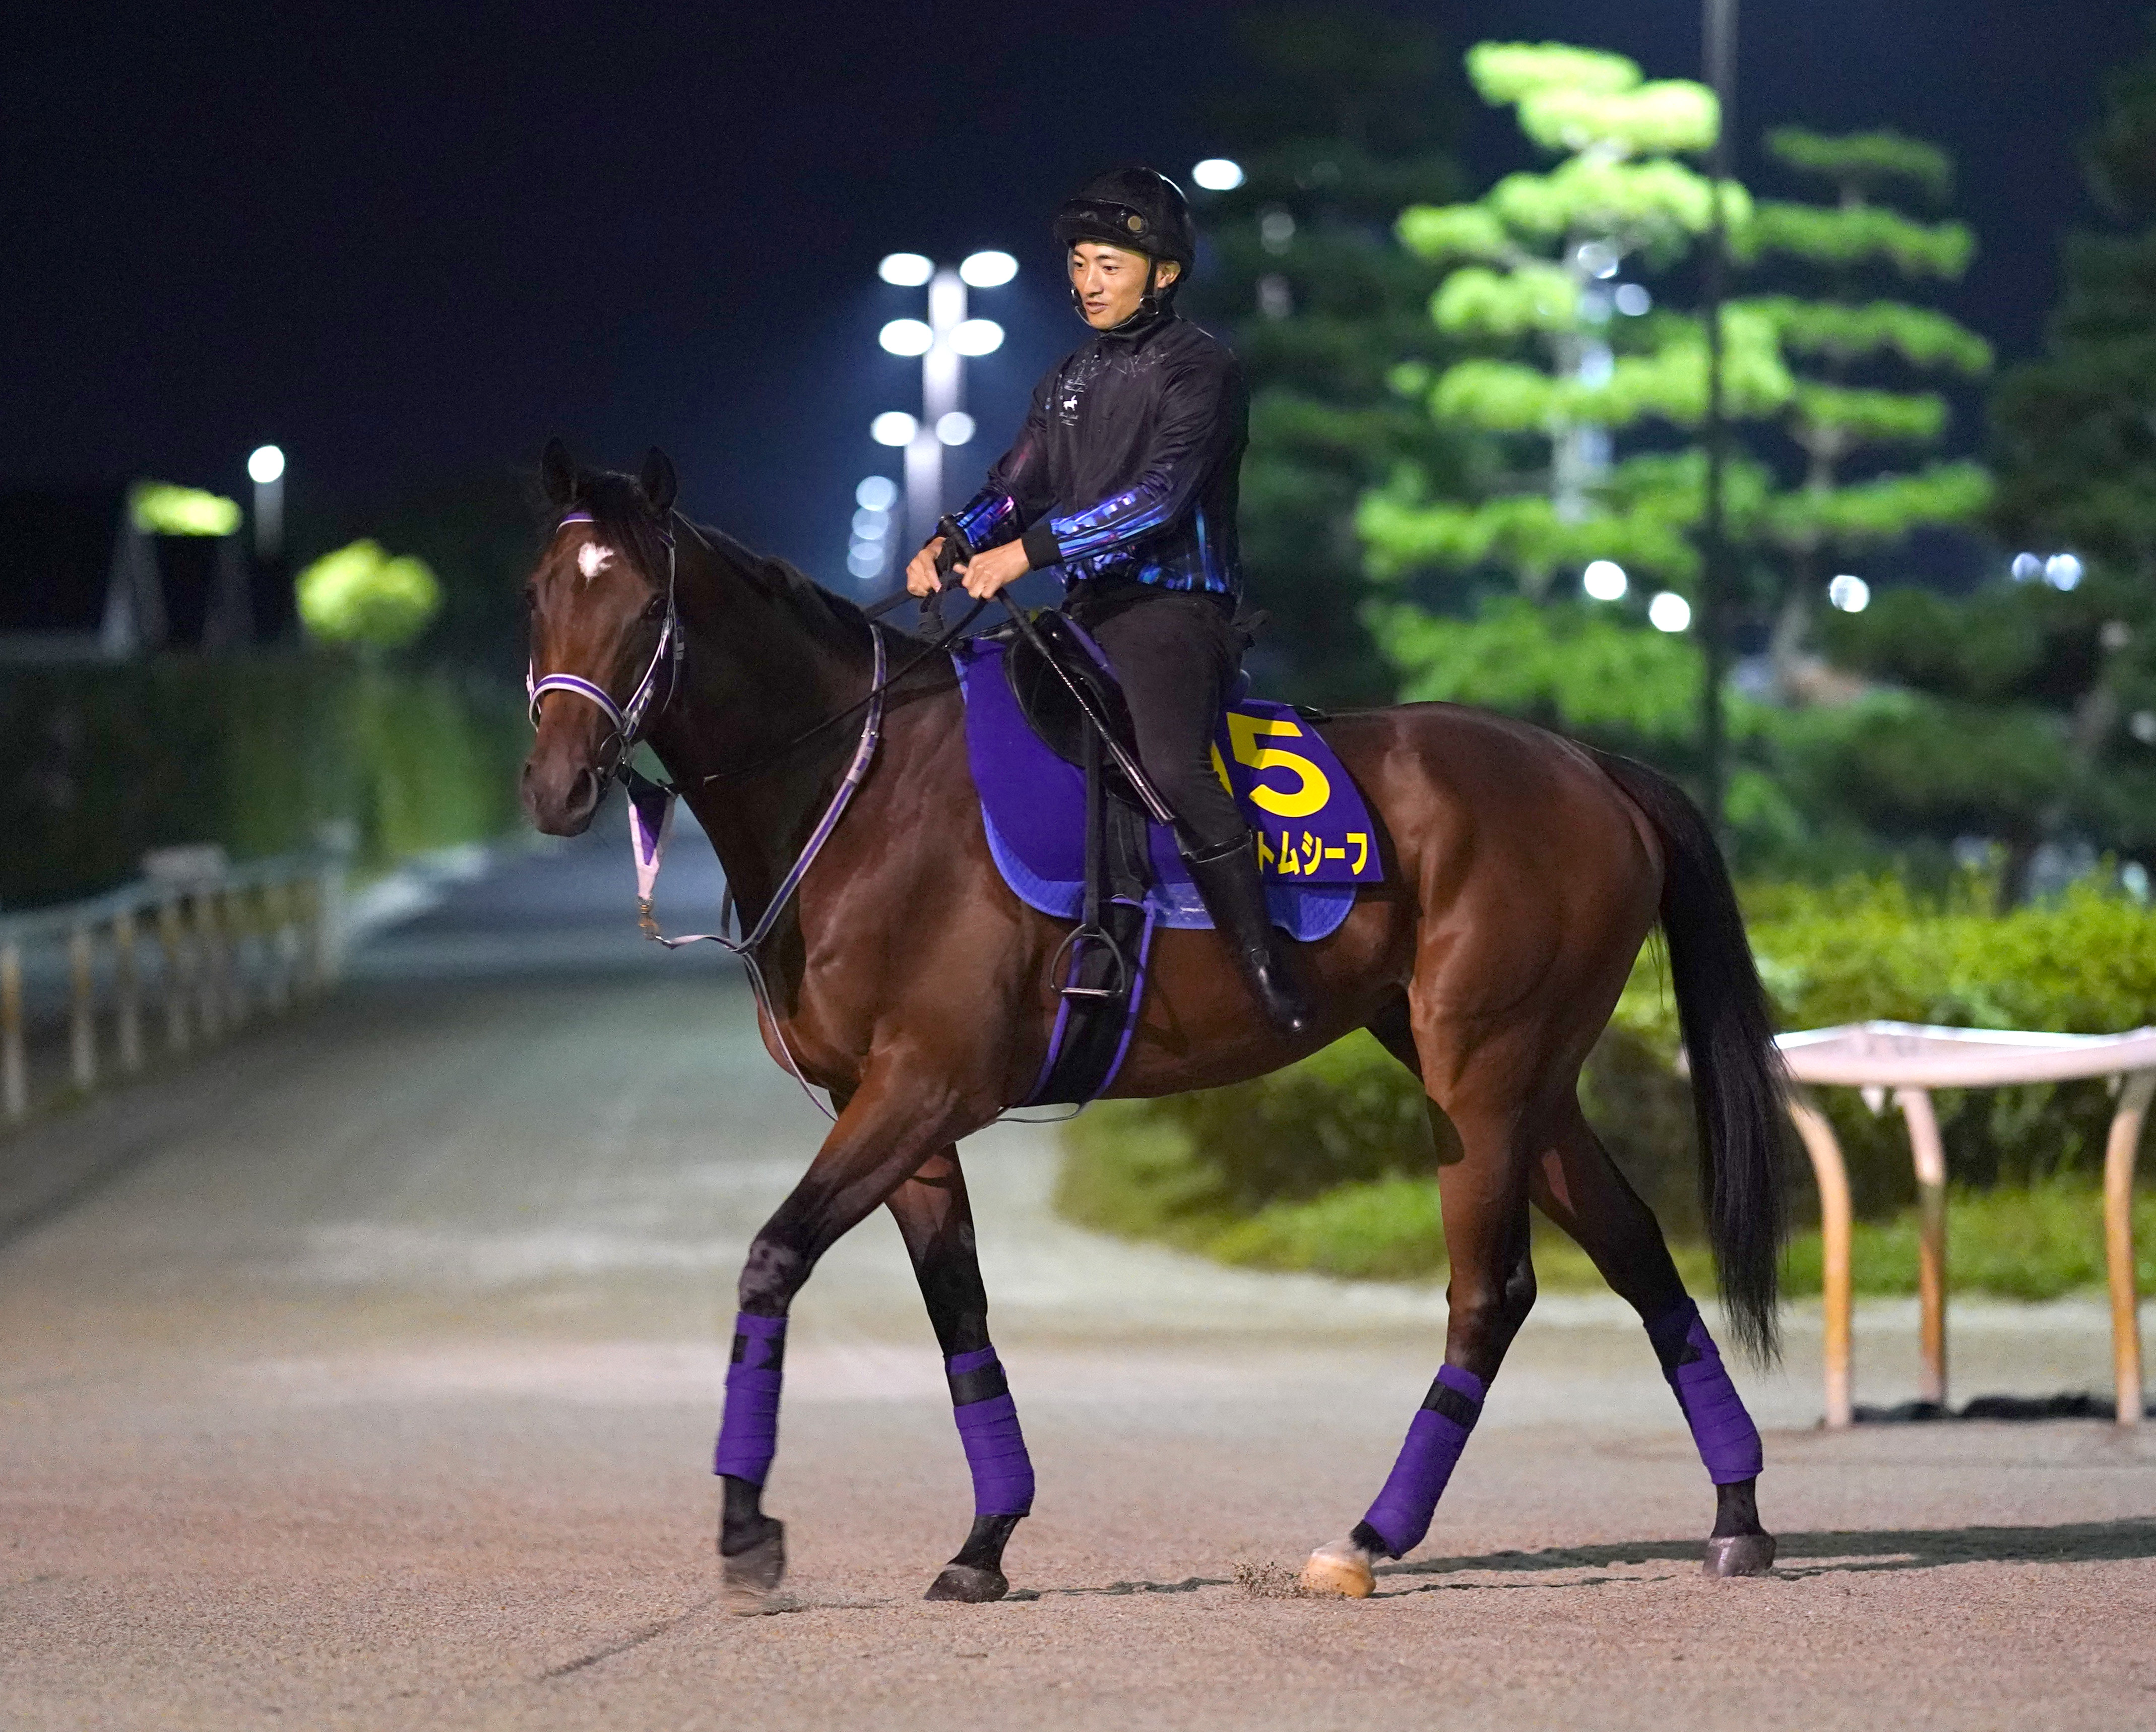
{"x": 1335, "y": 1151}
{"x": 255, "y": 751}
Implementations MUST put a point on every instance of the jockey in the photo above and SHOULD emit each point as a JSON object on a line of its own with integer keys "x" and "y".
{"x": 1123, "y": 483}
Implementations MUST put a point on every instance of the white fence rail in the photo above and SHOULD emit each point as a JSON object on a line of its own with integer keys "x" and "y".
{"x": 175, "y": 961}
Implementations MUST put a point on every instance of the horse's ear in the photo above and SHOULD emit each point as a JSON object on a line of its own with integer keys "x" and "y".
{"x": 558, "y": 469}
{"x": 658, "y": 480}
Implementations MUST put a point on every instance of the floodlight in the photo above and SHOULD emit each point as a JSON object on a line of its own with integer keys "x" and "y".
{"x": 265, "y": 465}
{"x": 1218, "y": 174}
{"x": 1850, "y": 595}
{"x": 1604, "y": 580}
{"x": 905, "y": 270}
{"x": 955, "y": 429}
{"x": 977, "y": 337}
{"x": 990, "y": 269}
{"x": 894, "y": 427}
{"x": 1668, "y": 612}
{"x": 906, "y": 336}
{"x": 876, "y": 493}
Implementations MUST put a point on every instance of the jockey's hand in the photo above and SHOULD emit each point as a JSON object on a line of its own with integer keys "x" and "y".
{"x": 921, "y": 578}
{"x": 991, "y": 570}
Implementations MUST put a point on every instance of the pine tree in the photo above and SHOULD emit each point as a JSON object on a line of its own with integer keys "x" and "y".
{"x": 1339, "y": 117}
{"x": 1572, "y": 357}
{"x": 1854, "y": 353}
{"x": 2075, "y": 442}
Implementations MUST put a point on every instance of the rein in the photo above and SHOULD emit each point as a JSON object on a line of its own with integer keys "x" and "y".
{"x": 651, "y": 803}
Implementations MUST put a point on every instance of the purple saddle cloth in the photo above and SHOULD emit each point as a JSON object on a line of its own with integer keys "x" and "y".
{"x": 1316, "y": 841}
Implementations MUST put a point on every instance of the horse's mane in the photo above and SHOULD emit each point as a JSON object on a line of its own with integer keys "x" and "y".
{"x": 618, "y": 506}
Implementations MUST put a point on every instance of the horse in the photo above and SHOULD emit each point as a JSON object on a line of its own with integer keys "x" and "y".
{"x": 1522, "y": 873}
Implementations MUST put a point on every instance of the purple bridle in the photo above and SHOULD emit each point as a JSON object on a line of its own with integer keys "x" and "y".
{"x": 627, "y": 719}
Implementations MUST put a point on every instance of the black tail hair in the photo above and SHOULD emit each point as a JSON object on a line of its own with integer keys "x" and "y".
{"x": 1739, "y": 1087}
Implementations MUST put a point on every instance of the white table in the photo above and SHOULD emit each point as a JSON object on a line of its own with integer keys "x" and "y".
{"x": 1912, "y": 1060}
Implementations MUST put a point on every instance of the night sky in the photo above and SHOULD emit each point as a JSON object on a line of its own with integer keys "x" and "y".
{"x": 408, "y": 243}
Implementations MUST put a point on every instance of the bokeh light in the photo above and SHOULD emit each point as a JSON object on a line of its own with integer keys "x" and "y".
{"x": 1605, "y": 579}
{"x": 1848, "y": 592}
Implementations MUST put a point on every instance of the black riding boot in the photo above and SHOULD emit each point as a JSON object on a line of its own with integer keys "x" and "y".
{"x": 1235, "y": 897}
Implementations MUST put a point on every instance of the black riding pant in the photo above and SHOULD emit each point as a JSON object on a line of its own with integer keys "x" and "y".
{"x": 1176, "y": 655}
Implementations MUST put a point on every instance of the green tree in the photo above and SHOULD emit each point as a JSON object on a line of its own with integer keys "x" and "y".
{"x": 1854, "y": 355}
{"x": 1339, "y": 116}
{"x": 1568, "y": 356}
{"x": 2074, "y": 445}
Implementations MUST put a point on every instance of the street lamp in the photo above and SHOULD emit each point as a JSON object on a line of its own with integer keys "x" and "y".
{"x": 265, "y": 468}
{"x": 944, "y": 341}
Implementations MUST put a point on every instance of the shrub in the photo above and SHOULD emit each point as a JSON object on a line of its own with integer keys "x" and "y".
{"x": 1343, "y": 1127}
{"x": 254, "y": 752}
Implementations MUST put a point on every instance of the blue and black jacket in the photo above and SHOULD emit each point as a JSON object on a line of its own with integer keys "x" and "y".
{"x": 1127, "y": 467}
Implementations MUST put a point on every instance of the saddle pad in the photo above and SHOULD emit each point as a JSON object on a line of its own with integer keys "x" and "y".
{"x": 1316, "y": 841}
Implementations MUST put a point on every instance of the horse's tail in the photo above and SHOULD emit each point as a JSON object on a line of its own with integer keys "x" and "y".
{"x": 1738, "y": 1084}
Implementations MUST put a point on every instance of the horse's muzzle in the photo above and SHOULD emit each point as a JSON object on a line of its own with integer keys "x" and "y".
{"x": 561, "y": 787}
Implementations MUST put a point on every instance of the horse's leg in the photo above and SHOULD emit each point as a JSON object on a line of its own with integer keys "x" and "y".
{"x": 899, "y": 1117}
{"x": 1578, "y": 1186}
{"x": 1482, "y": 1180}
{"x": 937, "y": 1219}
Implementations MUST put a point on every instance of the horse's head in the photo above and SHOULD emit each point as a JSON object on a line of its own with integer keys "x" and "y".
{"x": 605, "y": 638}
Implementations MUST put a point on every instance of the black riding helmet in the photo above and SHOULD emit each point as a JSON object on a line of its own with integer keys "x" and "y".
{"x": 1138, "y": 208}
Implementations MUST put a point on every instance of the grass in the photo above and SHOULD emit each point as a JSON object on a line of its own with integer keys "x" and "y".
{"x": 1133, "y": 1176}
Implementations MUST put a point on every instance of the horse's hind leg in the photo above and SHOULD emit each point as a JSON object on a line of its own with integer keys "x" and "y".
{"x": 1578, "y": 1186}
{"x": 937, "y": 1219}
{"x": 1483, "y": 1190}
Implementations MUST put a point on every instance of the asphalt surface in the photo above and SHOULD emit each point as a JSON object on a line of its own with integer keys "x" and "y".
{"x": 365, "y": 1373}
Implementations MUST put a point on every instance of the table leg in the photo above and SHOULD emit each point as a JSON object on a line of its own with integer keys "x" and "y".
{"x": 2118, "y": 1158}
{"x": 1931, "y": 1161}
{"x": 1832, "y": 1174}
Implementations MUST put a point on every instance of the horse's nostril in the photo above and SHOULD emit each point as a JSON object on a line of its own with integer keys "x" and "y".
{"x": 583, "y": 793}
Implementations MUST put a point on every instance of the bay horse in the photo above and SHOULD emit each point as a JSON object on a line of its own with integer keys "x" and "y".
{"x": 1522, "y": 873}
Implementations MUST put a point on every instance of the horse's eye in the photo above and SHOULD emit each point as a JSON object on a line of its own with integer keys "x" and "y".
{"x": 531, "y": 599}
{"x": 655, "y": 608}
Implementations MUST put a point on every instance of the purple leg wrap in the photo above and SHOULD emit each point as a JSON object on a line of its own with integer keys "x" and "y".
{"x": 748, "y": 1435}
{"x": 987, "y": 1425}
{"x": 1728, "y": 1442}
{"x": 1435, "y": 1438}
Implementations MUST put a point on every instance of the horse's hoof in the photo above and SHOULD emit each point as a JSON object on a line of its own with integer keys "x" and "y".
{"x": 751, "y": 1575}
{"x": 968, "y": 1584}
{"x": 1739, "y": 1555}
{"x": 1342, "y": 1568}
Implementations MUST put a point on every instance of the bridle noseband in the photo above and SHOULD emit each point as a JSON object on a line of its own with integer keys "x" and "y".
{"x": 627, "y": 719}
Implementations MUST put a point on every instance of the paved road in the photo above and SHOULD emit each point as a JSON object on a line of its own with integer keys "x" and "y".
{"x": 365, "y": 1375}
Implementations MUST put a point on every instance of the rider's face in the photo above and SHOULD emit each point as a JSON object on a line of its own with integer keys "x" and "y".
{"x": 1111, "y": 282}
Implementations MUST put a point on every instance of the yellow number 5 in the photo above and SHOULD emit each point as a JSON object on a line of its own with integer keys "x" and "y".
{"x": 1312, "y": 789}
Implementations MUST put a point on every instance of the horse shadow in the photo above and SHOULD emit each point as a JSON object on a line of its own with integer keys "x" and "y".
{"x": 1846, "y": 1551}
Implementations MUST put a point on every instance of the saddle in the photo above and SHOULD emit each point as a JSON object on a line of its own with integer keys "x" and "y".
{"x": 1074, "y": 838}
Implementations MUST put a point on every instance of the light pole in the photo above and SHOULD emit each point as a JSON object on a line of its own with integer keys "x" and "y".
{"x": 1718, "y": 21}
{"x": 265, "y": 468}
{"x": 943, "y": 341}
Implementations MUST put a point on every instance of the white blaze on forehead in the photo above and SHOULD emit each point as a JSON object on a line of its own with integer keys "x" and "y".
{"x": 592, "y": 558}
